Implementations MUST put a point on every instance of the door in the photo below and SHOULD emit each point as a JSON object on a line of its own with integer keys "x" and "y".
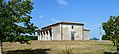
{"x": 72, "y": 35}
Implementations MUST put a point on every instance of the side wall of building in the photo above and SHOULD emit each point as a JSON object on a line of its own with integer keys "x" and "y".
{"x": 67, "y": 29}
{"x": 79, "y": 32}
{"x": 66, "y": 32}
{"x": 56, "y": 34}
{"x": 86, "y": 35}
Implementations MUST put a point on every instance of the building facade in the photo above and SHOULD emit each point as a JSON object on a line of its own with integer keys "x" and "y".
{"x": 64, "y": 31}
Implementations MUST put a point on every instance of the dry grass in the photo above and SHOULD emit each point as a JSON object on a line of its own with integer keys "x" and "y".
{"x": 56, "y": 47}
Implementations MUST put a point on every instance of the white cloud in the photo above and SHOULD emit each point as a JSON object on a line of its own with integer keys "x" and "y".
{"x": 41, "y": 16}
{"x": 62, "y": 2}
{"x": 54, "y": 20}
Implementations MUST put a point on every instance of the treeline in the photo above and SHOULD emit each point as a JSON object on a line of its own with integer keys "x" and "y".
{"x": 21, "y": 37}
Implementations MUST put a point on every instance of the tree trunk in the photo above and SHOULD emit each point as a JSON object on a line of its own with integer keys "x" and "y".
{"x": 117, "y": 50}
{"x": 1, "y": 47}
{"x": 117, "y": 46}
{"x": 0, "y": 44}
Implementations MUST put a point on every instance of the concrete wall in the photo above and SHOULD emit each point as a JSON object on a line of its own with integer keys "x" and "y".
{"x": 86, "y": 35}
{"x": 79, "y": 32}
{"x": 63, "y": 32}
{"x": 56, "y": 34}
{"x": 66, "y": 32}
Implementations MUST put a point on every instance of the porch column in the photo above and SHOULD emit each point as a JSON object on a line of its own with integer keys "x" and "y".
{"x": 48, "y": 34}
{"x": 51, "y": 35}
{"x": 39, "y": 36}
{"x": 43, "y": 36}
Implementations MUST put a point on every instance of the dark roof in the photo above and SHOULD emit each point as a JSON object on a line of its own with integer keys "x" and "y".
{"x": 62, "y": 23}
{"x": 86, "y": 30}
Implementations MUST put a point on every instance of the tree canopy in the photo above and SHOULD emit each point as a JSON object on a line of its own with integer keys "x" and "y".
{"x": 12, "y": 14}
{"x": 111, "y": 28}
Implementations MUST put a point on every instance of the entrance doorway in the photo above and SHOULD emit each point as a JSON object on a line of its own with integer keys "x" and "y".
{"x": 72, "y": 35}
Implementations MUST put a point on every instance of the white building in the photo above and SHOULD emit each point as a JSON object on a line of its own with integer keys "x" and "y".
{"x": 64, "y": 31}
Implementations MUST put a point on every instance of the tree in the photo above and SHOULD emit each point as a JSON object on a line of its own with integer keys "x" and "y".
{"x": 94, "y": 38}
{"x": 106, "y": 37}
{"x": 111, "y": 28}
{"x": 12, "y": 14}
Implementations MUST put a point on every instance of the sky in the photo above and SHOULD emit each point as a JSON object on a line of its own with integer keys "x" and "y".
{"x": 90, "y": 12}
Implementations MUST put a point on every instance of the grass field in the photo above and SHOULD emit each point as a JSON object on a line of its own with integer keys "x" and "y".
{"x": 56, "y": 47}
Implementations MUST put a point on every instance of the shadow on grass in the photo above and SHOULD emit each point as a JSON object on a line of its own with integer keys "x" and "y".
{"x": 28, "y": 51}
{"x": 109, "y": 53}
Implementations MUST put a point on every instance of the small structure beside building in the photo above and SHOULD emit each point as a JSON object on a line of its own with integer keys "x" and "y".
{"x": 64, "y": 31}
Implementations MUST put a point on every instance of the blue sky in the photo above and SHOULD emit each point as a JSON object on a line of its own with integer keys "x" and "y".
{"x": 90, "y": 12}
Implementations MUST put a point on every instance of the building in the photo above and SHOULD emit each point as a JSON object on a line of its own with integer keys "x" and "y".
{"x": 64, "y": 31}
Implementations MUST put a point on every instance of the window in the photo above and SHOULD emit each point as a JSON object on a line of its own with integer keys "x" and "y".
{"x": 72, "y": 27}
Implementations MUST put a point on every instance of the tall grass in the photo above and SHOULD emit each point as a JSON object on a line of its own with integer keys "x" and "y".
{"x": 68, "y": 50}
